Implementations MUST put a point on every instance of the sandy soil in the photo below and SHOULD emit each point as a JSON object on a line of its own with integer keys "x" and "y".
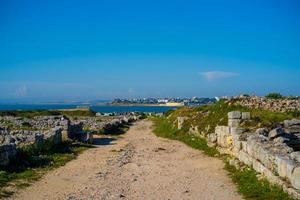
{"x": 137, "y": 166}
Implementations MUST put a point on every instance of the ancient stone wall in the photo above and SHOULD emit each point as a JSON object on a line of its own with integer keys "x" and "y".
{"x": 50, "y": 130}
{"x": 278, "y": 105}
{"x": 274, "y": 154}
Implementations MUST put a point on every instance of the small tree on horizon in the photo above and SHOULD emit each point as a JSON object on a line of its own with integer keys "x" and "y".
{"x": 274, "y": 96}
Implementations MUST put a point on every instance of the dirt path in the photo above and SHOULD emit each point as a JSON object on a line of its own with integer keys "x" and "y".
{"x": 137, "y": 166}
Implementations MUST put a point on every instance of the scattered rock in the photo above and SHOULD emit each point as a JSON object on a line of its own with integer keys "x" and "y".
{"x": 296, "y": 156}
{"x": 293, "y": 122}
{"x": 212, "y": 138}
{"x": 262, "y": 131}
{"x": 280, "y": 140}
{"x": 276, "y": 133}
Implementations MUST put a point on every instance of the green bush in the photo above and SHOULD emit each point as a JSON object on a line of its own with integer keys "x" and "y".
{"x": 274, "y": 96}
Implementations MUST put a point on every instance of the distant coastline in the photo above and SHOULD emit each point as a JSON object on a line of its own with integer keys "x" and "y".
{"x": 102, "y": 108}
{"x": 148, "y": 105}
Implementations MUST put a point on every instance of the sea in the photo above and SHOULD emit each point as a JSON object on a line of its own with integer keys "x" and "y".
{"x": 96, "y": 108}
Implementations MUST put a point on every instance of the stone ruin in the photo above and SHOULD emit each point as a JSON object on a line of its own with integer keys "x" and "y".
{"x": 276, "y": 105}
{"x": 272, "y": 153}
{"x": 13, "y": 140}
{"x": 53, "y": 129}
{"x": 180, "y": 122}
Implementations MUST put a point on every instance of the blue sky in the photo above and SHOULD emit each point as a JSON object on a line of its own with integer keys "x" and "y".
{"x": 78, "y": 50}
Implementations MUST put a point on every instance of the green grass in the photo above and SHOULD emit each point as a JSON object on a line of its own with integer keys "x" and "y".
{"x": 34, "y": 161}
{"x": 252, "y": 188}
{"x": 246, "y": 180}
{"x": 164, "y": 129}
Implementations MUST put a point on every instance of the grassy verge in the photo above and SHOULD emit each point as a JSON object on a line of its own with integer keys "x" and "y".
{"x": 252, "y": 188}
{"x": 246, "y": 180}
{"x": 33, "y": 161}
{"x": 163, "y": 128}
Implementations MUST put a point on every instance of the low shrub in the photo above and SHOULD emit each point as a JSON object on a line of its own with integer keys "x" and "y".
{"x": 274, "y": 96}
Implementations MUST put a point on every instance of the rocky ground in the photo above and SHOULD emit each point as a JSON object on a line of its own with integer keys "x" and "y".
{"x": 137, "y": 166}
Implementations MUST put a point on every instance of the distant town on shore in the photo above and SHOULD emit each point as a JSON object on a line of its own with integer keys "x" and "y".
{"x": 194, "y": 101}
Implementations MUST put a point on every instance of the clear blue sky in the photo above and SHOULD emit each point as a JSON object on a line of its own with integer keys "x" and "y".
{"x": 56, "y": 49}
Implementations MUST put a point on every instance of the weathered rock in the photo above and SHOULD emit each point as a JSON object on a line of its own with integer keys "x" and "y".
{"x": 276, "y": 133}
{"x": 262, "y": 131}
{"x": 2, "y": 139}
{"x": 212, "y": 138}
{"x": 246, "y": 115}
{"x": 224, "y": 138}
{"x": 281, "y": 140}
{"x": 237, "y": 131}
{"x": 54, "y": 136}
{"x": 293, "y": 122}
{"x": 86, "y": 137}
{"x": 285, "y": 166}
{"x": 7, "y": 151}
{"x": 234, "y": 122}
{"x": 296, "y": 178}
{"x": 296, "y": 156}
{"x": 9, "y": 139}
{"x": 180, "y": 121}
{"x": 193, "y": 130}
{"x": 234, "y": 115}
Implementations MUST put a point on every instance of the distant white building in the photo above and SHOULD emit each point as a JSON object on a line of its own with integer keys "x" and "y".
{"x": 162, "y": 100}
{"x": 194, "y": 98}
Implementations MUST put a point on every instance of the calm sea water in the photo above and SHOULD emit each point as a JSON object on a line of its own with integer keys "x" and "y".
{"x": 102, "y": 108}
